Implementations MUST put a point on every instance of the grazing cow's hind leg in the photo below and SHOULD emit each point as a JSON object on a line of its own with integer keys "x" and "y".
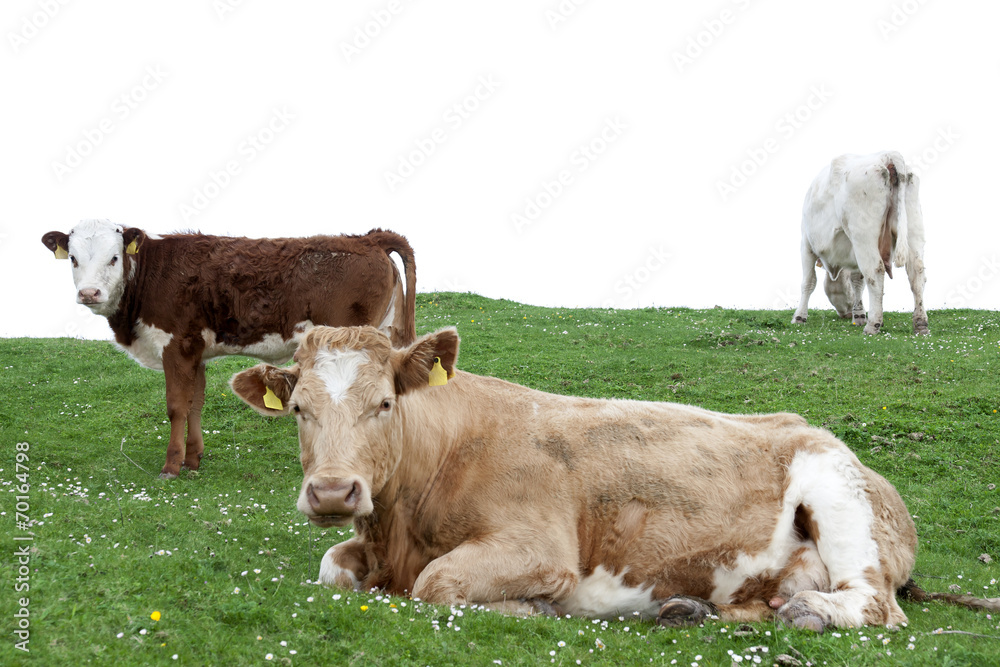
{"x": 808, "y": 284}
{"x": 858, "y": 308}
{"x": 915, "y": 273}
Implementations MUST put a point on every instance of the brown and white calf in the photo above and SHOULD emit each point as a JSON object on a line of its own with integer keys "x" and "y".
{"x": 861, "y": 215}
{"x": 178, "y": 300}
{"x": 481, "y": 491}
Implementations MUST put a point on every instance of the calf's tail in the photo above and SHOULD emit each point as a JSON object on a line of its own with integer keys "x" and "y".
{"x": 392, "y": 242}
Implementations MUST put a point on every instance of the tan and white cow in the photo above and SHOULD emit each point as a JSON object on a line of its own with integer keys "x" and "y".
{"x": 861, "y": 215}
{"x": 480, "y": 491}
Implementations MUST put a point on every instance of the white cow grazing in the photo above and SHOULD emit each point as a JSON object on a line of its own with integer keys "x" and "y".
{"x": 861, "y": 215}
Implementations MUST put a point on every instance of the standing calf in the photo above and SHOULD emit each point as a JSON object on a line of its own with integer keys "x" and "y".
{"x": 176, "y": 301}
{"x": 861, "y": 215}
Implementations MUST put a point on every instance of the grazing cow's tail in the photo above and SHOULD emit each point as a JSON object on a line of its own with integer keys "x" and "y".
{"x": 898, "y": 183}
{"x": 392, "y": 242}
{"x": 912, "y": 592}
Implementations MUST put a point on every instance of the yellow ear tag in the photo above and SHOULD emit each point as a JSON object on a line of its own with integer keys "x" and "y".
{"x": 61, "y": 252}
{"x": 438, "y": 375}
{"x": 271, "y": 400}
{"x": 132, "y": 248}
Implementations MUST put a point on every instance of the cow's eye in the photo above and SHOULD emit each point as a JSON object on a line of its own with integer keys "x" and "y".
{"x": 73, "y": 259}
{"x": 296, "y": 409}
{"x": 386, "y": 406}
{"x": 114, "y": 260}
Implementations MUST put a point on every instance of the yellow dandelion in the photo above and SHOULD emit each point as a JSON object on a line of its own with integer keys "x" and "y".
{"x": 364, "y": 607}
{"x": 155, "y": 616}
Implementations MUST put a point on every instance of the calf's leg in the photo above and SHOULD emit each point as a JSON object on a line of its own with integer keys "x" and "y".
{"x": 180, "y": 370}
{"x": 195, "y": 443}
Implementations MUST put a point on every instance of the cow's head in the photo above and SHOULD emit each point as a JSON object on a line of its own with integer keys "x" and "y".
{"x": 344, "y": 390}
{"x": 99, "y": 251}
{"x": 840, "y": 292}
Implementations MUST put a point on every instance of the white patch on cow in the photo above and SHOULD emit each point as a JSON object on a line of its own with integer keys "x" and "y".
{"x": 97, "y": 252}
{"x": 272, "y": 348}
{"x": 832, "y": 486}
{"x": 147, "y": 346}
{"x": 338, "y": 370}
{"x": 605, "y": 595}
{"x": 330, "y": 572}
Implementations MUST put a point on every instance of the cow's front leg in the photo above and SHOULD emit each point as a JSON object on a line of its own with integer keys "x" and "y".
{"x": 508, "y": 576}
{"x": 180, "y": 369}
{"x": 345, "y": 565}
{"x": 195, "y": 443}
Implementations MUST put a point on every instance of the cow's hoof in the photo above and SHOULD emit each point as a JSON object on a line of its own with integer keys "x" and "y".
{"x": 681, "y": 611}
{"x": 798, "y": 319}
{"x": 920, "y": 328}
{"x": 191, "y": 466}
{"x": 873, "y": 328}
{"x": 800, "y": 616}
{"x": 545, "y": 607}
{"x": 168, "y": 475}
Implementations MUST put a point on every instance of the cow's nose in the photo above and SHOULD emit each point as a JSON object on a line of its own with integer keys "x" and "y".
{"x": 89, "y": 295}
{"x": 336, "y": 497}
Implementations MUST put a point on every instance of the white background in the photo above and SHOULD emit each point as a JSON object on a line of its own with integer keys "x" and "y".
{"x": 153, "y": 99}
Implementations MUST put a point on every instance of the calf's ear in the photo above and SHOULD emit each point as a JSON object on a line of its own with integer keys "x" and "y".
{"x": 412, "y": 366}
{"x": 265, "y": 388}
{"x": 58, "y": 243}
{"x": 133, "y": 237}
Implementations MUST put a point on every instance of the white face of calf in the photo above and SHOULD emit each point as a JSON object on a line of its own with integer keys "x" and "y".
{"x": 344, "y": 392}
{"x": 97, "y": 250}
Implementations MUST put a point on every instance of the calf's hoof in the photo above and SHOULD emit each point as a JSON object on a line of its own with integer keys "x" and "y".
{"x": 873, "y": 328}
{"x": 920, "y": 328}
{"x": 798, "y": 319}
{"x": 681, "y": 611}
{"x": 166, "y": 474}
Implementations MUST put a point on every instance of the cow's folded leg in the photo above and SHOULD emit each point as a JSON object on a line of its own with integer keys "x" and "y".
{"x": 495, "y": 571}
{"x": 684, "y": 610}
{"x": 532, "y": 607}
{"x": 345, "y": 565}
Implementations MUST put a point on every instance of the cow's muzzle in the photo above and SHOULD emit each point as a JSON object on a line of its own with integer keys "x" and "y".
{"x": 90, "y": 296}
{"x": 335, "y": 501}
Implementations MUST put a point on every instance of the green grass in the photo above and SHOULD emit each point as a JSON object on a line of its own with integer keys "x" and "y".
{"x": 113, "y": 543}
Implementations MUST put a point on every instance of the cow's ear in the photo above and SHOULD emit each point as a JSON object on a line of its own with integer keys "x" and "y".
{"x": 133, "y": 237}
{"x": 58, "y": 243}
{"x": 428, "y": 362}
{"x": 265, "y": 388}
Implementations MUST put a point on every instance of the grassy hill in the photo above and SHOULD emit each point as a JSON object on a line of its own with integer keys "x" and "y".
{"x": 227, "y": 562}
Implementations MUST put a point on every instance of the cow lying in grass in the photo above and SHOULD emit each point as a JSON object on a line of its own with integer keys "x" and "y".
{"x": 475, "y": 490}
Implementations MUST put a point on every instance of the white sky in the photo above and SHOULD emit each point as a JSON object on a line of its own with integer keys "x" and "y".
{"x": 125, "y": 110}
